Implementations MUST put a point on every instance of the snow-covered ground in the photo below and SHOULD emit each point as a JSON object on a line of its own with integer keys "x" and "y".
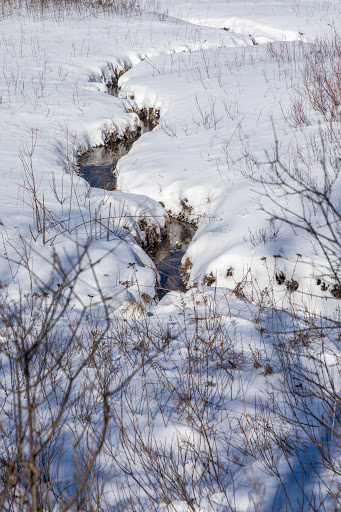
{"x": 263, "y": 20}
{"x": 53, "y": 103}
{"x": 220, "y": 99}
{"x": 209, "y": 156}
{"x": 230, "y": 81}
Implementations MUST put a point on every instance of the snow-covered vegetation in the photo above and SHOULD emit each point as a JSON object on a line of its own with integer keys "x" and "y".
{"x": 224, "y": 396}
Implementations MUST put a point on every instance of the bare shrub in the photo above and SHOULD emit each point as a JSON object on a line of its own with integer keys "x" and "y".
{"x": 319, "y": 212}
{"x": 298, "y": 117}
{"x": 322, "y": 76}
{"x": 305, "y": 426}
{"x": 304, "y": 431}
{"x": 48, "y": 405}
{"x": 61, "y": 8}
{"x": 263, "y": 236}
{"x": 190, "y": 465}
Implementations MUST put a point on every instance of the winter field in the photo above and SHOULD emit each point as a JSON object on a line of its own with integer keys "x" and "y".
{"x": 223, "y": 396}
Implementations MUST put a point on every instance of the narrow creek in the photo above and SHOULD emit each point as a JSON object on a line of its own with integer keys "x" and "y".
{"x": 98, "y": 167}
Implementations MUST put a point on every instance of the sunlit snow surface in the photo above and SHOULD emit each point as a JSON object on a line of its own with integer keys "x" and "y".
{"x": 223, "y": 98}
{"x": 98, "y": 168}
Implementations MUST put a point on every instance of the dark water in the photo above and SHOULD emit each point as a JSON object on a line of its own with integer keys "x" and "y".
{"x": 167, "y": 255}
{"x": 98, "y": 165}
{"x": 98, "y": 168}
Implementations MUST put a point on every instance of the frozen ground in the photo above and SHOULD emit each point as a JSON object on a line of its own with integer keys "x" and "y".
{"x": 53, "y": 103}
{"x": 219, "y": 107}
{"x": 278, "y": 20}
{"x": 225, "y": 78}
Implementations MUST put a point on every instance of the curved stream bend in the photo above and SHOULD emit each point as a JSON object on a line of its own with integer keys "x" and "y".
{"x": 98, "y": 167}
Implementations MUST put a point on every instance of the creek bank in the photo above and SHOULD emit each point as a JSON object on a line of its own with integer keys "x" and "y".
{"x": 98, "y": 165}
{"x": 98, "y": 168}
{"x": 167, "y": 256}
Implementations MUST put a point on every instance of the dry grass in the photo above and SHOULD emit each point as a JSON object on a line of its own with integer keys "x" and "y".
{"x": 58, "y": 9}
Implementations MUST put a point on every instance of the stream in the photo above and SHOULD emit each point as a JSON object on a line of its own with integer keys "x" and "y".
{"x": 98, "y": 166}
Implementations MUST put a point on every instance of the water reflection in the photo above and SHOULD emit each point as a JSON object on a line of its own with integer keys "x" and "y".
{"x": 98, "y": 165}
{"x": 167, "y": 255}
{"x": 98, "y": 168}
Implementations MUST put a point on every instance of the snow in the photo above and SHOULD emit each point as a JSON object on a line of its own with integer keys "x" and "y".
{"x": 205, "y": 162}
{"x": 263, "y": 20}
{"x": 224, "y": 98}
{"x": 53, "y": 106}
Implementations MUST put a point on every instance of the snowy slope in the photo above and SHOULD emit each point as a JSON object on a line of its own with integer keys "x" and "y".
{"x": 204, "y": 410}
{"x": 53, "y": 106}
